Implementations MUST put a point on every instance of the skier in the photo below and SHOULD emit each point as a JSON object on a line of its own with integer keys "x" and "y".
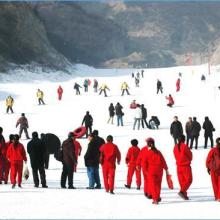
{"x": 178, "y": 85}
{"x": 133, "y": 105}
{"x": 95, "y": 85}
{"x": 2, "y": 155}
{"x": 138, "y": 75}
{"x": 60, "y": 92}
{"x": 103, "y": 89}
{"x": 132, "y": 75}
{"x": 16, "y": 155}
{"x": 119, "y": 114}
{"x": 111, "y": 113}
{"x": 137, "y": 81}
{"x": 183, "y": 157}
{"x": 76, "y": 87}
{"x": 144, "y": 116}
{"x": 36, "y": 151}
{"x": 109, "y": 154}
{"x": 155, "y": 163}
{"x": 142, "y": 73}
{"x": 40, "y": 96}
{"x": 9, "y": 104}
{"x": 203, "y": 78}
{"x": 124, "y": 87}
{"x": 196, "y": 127}
{"x": 154, "y": 122}
{"x": 88, "y": 120}
{"x": 69, "y": 161}
{"x": 170, "y": 101}
{"x": 23, "y": 122}
{"x": 188, "y": 129}
{"x": 159, "y": 87}
{"x": 86, "y": 85}
{"x": 130, "y": 160}
{"x": 213, "y": 168}
{"x": 208, "y": 127}
{"x": 176, "y": 129}
{"x": 137, "y": 117}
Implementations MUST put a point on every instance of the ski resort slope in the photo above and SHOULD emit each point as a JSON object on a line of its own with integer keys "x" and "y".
{"x": 195, "y": 98}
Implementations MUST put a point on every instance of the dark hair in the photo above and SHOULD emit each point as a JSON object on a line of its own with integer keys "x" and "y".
{"x": 152, "y": 146}
{"x": 95, "y": 132}
{"x": 181, "y": 139}
{"x": 91, "y": 135}
{"x": 1, "y": 129}
{"x": 16, "y": 137}
{"x": 11, "y": 137}
{"x": 70, "y": 135}
{"x": 109, "y": 138}
{"x": 34, "y": 134}
{"x": 134, "y": 142}
{"x": 194, "y": 118}
{"x": 22, "y": 114}
{"x": 218, "y": 143}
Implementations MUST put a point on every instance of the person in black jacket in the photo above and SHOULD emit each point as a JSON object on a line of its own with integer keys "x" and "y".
{"x": 35, "y": 149}
{"x": 208, "y": 127}
{"x": 119, "y": 114}
{"x": 76, "y": 87}
{"x": 111, "y": 110}
{"x": 144, "y": 116}
{"x": 176, "y": 129}
{"x": 88, "y": 120}
{"x": 188, "y": 129}
{"x": 69, "y": 161}
{"x": 159, "y": 87}
{"x": 196, "y": 127}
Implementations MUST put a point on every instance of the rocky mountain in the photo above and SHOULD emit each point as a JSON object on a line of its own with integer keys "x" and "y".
{"x": 108, "y": 33}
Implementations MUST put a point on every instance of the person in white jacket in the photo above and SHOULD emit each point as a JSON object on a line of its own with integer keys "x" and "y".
{"x": 137, "y": 117}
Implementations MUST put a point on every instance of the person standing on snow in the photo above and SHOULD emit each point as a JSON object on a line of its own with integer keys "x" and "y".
{"x": 183, "y": 157}
{"x": 144, "y": 116}
{"x": 188, "y": 129}
{"x": 155, "y": 164}
{"x": 9, "y": 104}
{"x": 196, "y": 127}
{"x": 119, "y": 114}
{"x": 109, "y": 153}
{"x": 130, "y": 160}
{"x": 95, "y": 85}
{"x": 170, "y": 101}
{"x": 176, "y": 129}
{"x": 16, "y": 155}
{"x": 36, "y": 151}
{"x": 137, "y": 81}
{"x": 40, "y": 96}
{"x": 159, "y": 87}
{"x": 124, "y": 87}
{"x": 208, "y": 127}
{"x": 103, "y": 89}
{"x": 23, "y": 122}
{"x": 76, "y": 87}
{"x": 78, "y": 150}
{"x": 213, "y": 168}
{"x": 88, "y": 120}
{"x": 2, "y": 155}
{"x": 60, "y": 92}
{"x": 86, "y": 85}
{"x": 137, "y": 117}
{"x": 111, "y": 110}
{"x": 178, "y": 85}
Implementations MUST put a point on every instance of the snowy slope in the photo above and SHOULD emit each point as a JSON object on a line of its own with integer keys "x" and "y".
{"x": 194, "y": 99}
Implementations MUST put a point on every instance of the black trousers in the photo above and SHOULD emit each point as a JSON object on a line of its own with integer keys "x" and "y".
{"x": 206, "y": 140}
{"x": 123, "y": 91}
{"x": 9, "y": 108}
{"x": 36, "y": 177}
{"x": 46, "y": 160}
{"x": 88, "y": 130}
{"x": 41, "y": 101}
{"x": 143, "y": 120}
{"x": 67, "y": 172}
{"x": 194, "y": 137}
{"x": 188, "y": 138}
{"x": 103, "y": 90}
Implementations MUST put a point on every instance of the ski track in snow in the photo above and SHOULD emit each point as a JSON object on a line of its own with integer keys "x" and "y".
{"x": 195, "y": 98}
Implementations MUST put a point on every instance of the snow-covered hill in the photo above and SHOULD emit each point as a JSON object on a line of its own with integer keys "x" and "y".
{"x": 195, "y": 98}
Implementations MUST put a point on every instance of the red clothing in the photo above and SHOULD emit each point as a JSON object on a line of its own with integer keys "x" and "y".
{"x": 170, "y": 100}
{"x": 215, "y": 178}
{"x": 178, "y": 85}
{"x": 60, "y": 92}
{"x": 110, "y": 153}
{"x": 130, "y": 160}
{"x": 155, "y": 164}
{"x": 184, "y": 172}
{"x": 16, "y": 170}
{"x": 78, "y": 149}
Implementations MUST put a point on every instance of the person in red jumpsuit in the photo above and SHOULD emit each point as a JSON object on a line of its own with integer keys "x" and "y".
{"x": 155, "y": 164}
{"x": 141, "y": 165}
{"x": 60, "y": 92}
{"x": 170, "y": 101}
{"x": 2, "y": 153}
{"x": 183, "y": 156}
{"x": 213, "y": 166}
{"x": 78, "y": 149}
{"x": 16, "y": 155}
{"x": 130, "y": 160}
{"x": 178, "y": 85}
{"x": 109, "y": 153}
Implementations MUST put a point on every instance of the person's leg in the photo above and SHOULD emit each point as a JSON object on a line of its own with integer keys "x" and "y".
{"x": 63, "y": 177}
{"x": 35, "y": 176}
{"x": 96, "y": 177}
{"x": 42, "y": 176}
{"x": 19, "y": 171}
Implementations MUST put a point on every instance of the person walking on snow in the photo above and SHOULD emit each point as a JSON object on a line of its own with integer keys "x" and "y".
{"x": 176, "y": 129}
{"x": 60, "y": 92}
{"x": 124, "y": 87}
{"x": 208, "y": 127}
{"x": 183, "y": 157}
{"x": 196, "y": 127}
{"x": 40, "y": 96}
{"x": 178, "y": 85}
{"x": 111, "y": 110}
{"x": 16, "y": 155}
{"x": 109, "y": 153}
{"x": 23, "y": 122}
{"x": 137, "y": 117}
{"x": 130, "y": 160}
{"x": 170, "y": 100}
{"x": 95, "y": 85}
{"x": 119, "y": 114}
{"x": 9, "y": 104}
{"x": 159, "y": 87}
{"x": 86, "y": 85}
{"x": 76, "y": 87}
{"x": 103, "y": 88}
{"x": 213, "y": 168}
{"x": 88, "y": 120}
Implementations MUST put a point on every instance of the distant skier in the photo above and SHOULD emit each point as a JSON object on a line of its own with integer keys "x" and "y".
{"x": 176, "y": 129}
{"x": 119, "y": 114}
{"x": 86, "y": 85}
{"x": 103, "y": 88}
{"x": 95, "y": 85}
{"x": 137, "y": 81}
{"x": 178, "y": 85}
{"x": 124, "y": 87}
{"x": 76, "y": 87}
{"x": 142, "y": 73}
{"x": 133, "y": 105}
{"x": 60, "y": 92}
{"x": 23, "y": 122}
{"x": 180, "y": 74}
{"x": 111, "y": 113}
{"x": 209, "y": 128}
{"x": 170, "y": 101}
{"x": 203, "y": 78}
{"x": 132, "y": 75}
{"x": 159, "y": 87}
{"x": 9, "y": 104}
{"x": 138, "y": 75}
{"x": 40, "y": 96}
{"x": 88, "y": 120}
